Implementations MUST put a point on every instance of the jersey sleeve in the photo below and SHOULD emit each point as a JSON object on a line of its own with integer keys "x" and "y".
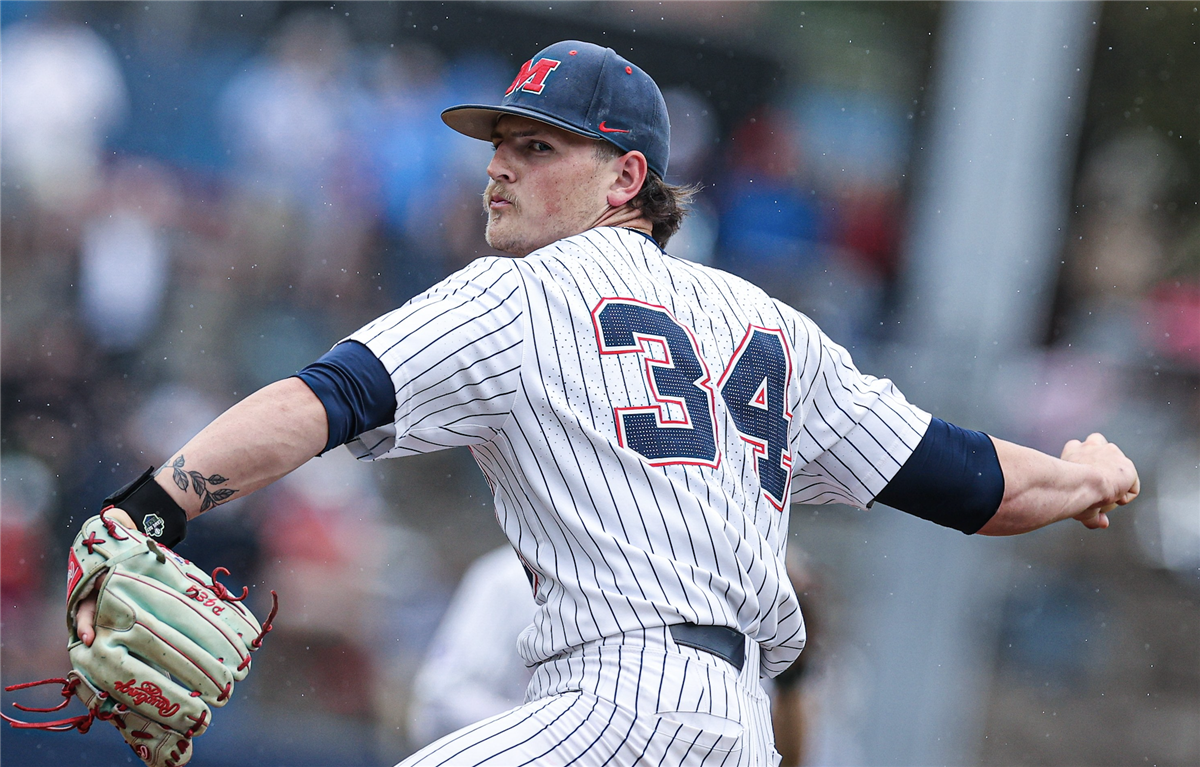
{"x": 453, "y": 355}
{"x": 855, "y": 431}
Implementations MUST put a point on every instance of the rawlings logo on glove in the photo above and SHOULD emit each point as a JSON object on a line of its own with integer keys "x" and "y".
{"x": 148, "y": 693}
{"x": 170, "y": 642}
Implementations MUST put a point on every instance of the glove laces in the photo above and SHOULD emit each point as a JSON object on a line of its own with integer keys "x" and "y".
{"x": 83, "y": 722}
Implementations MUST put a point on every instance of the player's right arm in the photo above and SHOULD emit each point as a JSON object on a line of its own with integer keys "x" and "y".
{"x": 454, "y": 393}
{"x": 262, "y": 438}
{"x": 265, "y": 436}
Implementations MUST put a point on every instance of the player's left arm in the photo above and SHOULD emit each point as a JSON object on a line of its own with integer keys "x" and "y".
{"x": 1090, "y": 479}
{"x": 976, "y": 483}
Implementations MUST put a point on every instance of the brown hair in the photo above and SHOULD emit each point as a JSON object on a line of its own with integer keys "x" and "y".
{"x": 663, "y": 204}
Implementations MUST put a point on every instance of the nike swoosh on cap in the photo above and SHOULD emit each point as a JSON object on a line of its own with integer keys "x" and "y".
{"x": 605, "y": 129}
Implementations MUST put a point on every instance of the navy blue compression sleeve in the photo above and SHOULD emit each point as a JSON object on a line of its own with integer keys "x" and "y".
{"x": 953, "y": 478}
{"x": 355, "y": 389}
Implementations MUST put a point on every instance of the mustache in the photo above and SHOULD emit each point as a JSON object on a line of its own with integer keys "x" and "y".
{"x": 495, "y": 190}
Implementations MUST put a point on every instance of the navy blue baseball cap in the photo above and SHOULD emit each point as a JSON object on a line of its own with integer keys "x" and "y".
{"x": 585, "y": 89}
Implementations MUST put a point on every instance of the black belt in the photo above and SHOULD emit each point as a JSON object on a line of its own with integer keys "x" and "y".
{"x": 727, "y": 644}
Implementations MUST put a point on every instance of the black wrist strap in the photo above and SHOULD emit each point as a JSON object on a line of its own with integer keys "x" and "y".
{"x": 155, "y": 513}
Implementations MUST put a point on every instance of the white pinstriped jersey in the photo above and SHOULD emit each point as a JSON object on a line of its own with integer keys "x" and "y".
{"x": 643, "y": 422}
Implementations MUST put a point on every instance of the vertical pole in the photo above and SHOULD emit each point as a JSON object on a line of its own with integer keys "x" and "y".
{"x": 988, "y": 222}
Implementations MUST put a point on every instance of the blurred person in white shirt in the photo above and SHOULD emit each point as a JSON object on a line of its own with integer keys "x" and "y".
{"x": 63, "y": 93}
{"x": 472, "y": 670}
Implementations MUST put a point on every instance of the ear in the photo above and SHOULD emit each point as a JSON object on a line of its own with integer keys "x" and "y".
{"x": 631, "y": 169}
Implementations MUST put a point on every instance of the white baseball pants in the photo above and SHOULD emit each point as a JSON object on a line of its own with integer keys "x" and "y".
{"x": 633, "y": 699}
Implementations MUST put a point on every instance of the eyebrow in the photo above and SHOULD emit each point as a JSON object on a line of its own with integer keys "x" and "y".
{"x": 517, "y": 134}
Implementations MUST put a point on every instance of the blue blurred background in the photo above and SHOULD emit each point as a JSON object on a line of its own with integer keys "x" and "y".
{"x": 996, "y": 205}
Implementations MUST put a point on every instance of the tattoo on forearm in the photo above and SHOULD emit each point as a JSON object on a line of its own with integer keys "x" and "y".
{"x": 200, "y": 484}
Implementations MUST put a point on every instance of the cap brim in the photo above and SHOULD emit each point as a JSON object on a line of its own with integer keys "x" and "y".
{"x": 479, "y": 120}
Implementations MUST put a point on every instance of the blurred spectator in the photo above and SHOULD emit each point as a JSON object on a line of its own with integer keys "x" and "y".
{"x": 472, "y": 670}
{"x": 693, "y": 138}
{"x": 28, "y": 493}
{"x": 404, "y": 135}
{"x": 795, "y": 230}
{"x": 176, "y": 67}
{"x": 361, "y": 593}
{"x": 63, "y": 92}
{"x": 693, "y": 134}
{"x": 1119, "y": 249}
{"x": 771, "y": 225}
{"x": 430, "y": 179}
{"x": 124, "y": 255}
{"x": 856, "y": 144}
{"x": 286, "y": 112}
{"x": 31, "y": 626}
{"x": 301, "y": 209}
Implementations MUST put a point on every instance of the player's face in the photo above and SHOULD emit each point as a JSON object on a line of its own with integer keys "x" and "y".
{"x": 546, "y": 184}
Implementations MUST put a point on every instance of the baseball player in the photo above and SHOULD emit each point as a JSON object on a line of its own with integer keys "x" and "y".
{"x": 644, "y": 423}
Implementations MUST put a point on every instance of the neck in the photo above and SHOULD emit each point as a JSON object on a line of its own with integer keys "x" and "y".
{"x": 625, "y": 216}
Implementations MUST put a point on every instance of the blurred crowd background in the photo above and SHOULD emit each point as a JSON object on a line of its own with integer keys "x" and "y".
{"x": 201, "y": 198}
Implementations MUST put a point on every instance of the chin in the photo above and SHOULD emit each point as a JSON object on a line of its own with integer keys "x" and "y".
{"x": 505, "y": 242}
{"x": 508, "y": 241}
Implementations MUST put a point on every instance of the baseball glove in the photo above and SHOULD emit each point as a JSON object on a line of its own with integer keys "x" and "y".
{"x": 170, "y": 642}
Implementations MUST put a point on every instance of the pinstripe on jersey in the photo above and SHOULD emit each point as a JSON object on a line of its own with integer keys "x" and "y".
{"x": 506, "y": 357}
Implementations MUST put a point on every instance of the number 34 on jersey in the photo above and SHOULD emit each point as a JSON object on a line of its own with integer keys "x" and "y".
{"x": 678, "y": 425}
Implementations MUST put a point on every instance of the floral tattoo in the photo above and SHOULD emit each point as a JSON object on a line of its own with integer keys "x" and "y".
{"x": 200, "y": 484}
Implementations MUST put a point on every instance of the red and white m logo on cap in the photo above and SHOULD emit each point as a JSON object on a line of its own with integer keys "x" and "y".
{"x": 532, "y": 77}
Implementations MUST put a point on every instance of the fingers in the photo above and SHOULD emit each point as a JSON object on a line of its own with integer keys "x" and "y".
{"x": 85, "y": 616}
{"x": 1074, "y": 445}
{"x": 1132, "y": 492}
{"x": 121, "y": 517}
{"x": 1121, "y": 476}
{"x": 85, "y": 620}
{"x": 1093, "y": 519}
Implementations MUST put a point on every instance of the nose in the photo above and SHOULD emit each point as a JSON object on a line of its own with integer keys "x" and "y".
{"x": 499, "y": 169}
